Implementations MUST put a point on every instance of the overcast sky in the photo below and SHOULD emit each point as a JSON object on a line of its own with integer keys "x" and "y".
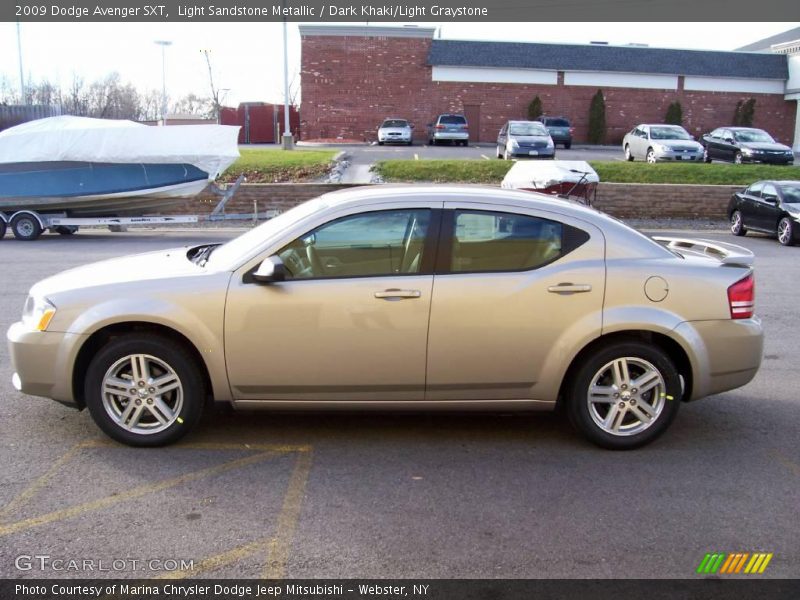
{"x": 247, "y": 57}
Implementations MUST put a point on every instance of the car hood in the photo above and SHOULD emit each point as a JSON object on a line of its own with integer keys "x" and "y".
{"x": 529, "y": 138}
{"x": 764, "y": 146}
{"x": 164, "y": 264}
{"x": 679, "y": 144}
{"x": 395, "y": 129}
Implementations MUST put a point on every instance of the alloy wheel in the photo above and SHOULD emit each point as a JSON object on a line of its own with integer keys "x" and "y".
{"x": 626, "y": 396}
{"x": 142, "y": 394}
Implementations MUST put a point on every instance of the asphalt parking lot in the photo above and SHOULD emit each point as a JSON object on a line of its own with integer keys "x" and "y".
{"x": 382, "y": 495}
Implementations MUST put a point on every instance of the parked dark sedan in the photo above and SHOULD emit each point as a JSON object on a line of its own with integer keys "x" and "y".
{"x": 769, "y": 207}
{"x": 745, "y": 144}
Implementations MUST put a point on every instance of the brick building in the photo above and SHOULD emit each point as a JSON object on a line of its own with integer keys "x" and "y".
{"x": 355, "y": 76}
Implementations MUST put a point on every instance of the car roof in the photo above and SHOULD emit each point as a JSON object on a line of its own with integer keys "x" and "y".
{"x": 524, "y": 121}
{"x": 659, "y": 125}
{"x": 741, "y": 128}
{"x": 395, "y": 119}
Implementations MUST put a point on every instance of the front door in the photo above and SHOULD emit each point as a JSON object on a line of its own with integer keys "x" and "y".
{"x": 349, "y": 323}
{"x": 473, "y": 114}
{"x": 514, "y": 292}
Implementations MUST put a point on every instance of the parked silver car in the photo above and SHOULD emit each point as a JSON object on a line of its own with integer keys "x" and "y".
{"x": 655, "y": 143}
{"x": 395, "y": 131}
{"x": 529, "y": 139}
{"x": 449, "y": 128}
{"x": 407, "y": 297}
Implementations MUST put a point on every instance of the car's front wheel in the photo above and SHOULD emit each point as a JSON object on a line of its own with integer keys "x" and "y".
{"x": 737, "y": 224}
{"x": 786, "y": 232}
{"x": 624, "y": 395}
{"x": 706, "y": 157}
{"x": 651, "y": 156}
{"x": 144, "y": 390}
{"x": 737, "y": 158}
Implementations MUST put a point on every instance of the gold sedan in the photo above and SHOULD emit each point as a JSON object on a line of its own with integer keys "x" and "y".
{"x": 407, "y": 297}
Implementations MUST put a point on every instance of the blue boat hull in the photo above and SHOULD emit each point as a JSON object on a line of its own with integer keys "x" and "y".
{"x": 83, "y": 188}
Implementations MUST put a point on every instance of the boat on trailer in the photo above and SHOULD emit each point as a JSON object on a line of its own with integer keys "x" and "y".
{"x": 81, "y": 167}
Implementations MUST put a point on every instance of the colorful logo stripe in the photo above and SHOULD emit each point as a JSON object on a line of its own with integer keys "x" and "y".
{"x": 734, "y": 563}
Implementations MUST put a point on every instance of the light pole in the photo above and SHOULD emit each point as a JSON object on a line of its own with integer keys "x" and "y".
{"x": 163, "y": 44}
{"x": 288, "y": 140}
{"x": 21, "y": 75}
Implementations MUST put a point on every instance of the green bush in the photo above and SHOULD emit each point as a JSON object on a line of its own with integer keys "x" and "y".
{"x": 674, "y": 114}
{"x": 535, "y": 109}
{"x": 745, "y": 113}
{"x": 597, "y": 118}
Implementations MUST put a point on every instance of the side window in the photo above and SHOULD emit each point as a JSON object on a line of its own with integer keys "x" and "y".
{"x": 369, "y": 244}
{"x": 717, "y": 133}
{"x": 495, "y": 241}
{"x": 769, "y": 193}
{"x": 755, "y": 189}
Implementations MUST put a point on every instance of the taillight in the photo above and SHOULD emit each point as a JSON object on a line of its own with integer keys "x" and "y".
{"x": 742, "y": 298}
{"x": 572, "y": 130}
{"x": 465, "y": 126}
{"x": 440, "y": 127}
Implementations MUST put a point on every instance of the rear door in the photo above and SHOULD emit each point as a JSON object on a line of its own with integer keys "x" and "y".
{"x": 513, "y": 290}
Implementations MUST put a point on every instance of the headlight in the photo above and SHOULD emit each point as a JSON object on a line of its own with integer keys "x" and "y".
{"x": 662, "y": 148}
{"x": 550, "y": 143}
{"x": 747, "y": 151}
{"x": 513, "y": 143}
{"x": 38, "y": 313}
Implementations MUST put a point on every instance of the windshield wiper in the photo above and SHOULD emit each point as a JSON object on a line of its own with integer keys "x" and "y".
{"x": 201, "y": 254}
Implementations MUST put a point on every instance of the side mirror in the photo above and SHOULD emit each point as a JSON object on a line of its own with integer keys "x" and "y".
{"x": 770, "y": 199}
{"x": 272, "y": 270}
{"x": 412, "y": 126}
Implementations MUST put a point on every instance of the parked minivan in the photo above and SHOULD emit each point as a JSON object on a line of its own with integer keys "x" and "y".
{"x": 448, "y": 128}
{"x": 560, "y": 130}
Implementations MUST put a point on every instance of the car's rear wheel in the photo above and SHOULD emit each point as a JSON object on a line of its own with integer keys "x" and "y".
{"x": 737, "y": 158}
{"x": 628, "y": 155}
{"x": 144, "y": 390}
{"x": 737, "y": 224}
{"x": 786, "y": 232}
{"x": 624, "y": 395}
{"x": 651, "y": 156}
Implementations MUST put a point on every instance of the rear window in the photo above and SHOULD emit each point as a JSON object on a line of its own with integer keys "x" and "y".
{"x": 395, "y": 123}
{"x": 452, "y": 120}
{"x": 557, "y": 122}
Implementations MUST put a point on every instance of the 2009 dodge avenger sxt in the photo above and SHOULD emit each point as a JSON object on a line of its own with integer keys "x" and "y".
{"x": 400, "y": 297}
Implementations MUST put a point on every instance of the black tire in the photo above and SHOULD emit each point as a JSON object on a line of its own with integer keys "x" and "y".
{"x": 568, "y": 145}
{"x": 786, "y": 232}
{"x": 628, "y": 153}
{"x": 706, "y": 157}
{"x": 737, "y": 224}
{"x": 2, "y": 228}
{"x": 737, "y": 158}
{"x": 66, "y": 229}
{"x": 650, "y": 156}
{"x": 380, "y": 143}
{"x": 168, "y": 352}
{"x": 637, "y": 354}
{"x": 26, "y": 227}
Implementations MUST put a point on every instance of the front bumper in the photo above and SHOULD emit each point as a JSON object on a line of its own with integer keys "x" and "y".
{"x": 726, "y": 354}
{"x": 397, "y": 139}
{"x": 680, "y": 156}
{"x": 526, "y": 152}
{"x": 768, "y": 159}
{"x": 42, "y": 362}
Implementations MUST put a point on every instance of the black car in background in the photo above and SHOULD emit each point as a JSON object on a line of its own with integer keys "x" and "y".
{"x": 745, "y": 144}
{"x": 560, "y": 130}
{"x": 769, "y": 207}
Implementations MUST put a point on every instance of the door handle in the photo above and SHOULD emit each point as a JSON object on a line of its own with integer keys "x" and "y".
{"x": 397, "y": 294}
{"x": 569, "y": 288}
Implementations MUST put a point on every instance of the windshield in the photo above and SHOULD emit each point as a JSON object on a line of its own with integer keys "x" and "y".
{"x": 240, "y": 247}
{"x": 669, "y": 133}
{"x": 752, "y": 135}
{"x": 395, "y": 123}
{"x": 791, "y": 194}
{"x": 527, "y": 129}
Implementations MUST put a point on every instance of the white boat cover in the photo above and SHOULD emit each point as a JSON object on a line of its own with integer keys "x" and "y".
{"x": 540, "y": 175}
{"x": 211, "y": 148}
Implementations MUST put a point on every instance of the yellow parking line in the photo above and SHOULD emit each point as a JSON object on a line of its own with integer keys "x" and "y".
{"x": 219, "y": 560}
{"x": 787, "y": 462}
{"x": 28, "y": 493}
{"x": 136, "y": 492}
{"x": 281, "y": 543}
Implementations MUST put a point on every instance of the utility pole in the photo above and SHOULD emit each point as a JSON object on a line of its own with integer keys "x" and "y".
{"x": 288, "y": 139}
{"x": 21, "y": 72}
{"x": 163, "y": 44}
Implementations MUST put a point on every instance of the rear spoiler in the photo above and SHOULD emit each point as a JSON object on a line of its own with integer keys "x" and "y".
{"x": 728, "y": 254}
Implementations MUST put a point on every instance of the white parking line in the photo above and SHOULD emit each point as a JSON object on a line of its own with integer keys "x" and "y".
{"x": 485, "y": 157}
{"x": 416, "y": 156}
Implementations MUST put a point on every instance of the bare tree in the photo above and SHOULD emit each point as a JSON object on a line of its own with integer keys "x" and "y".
{"x": 191, "y": 104}
{"x": 215, "y": 92}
